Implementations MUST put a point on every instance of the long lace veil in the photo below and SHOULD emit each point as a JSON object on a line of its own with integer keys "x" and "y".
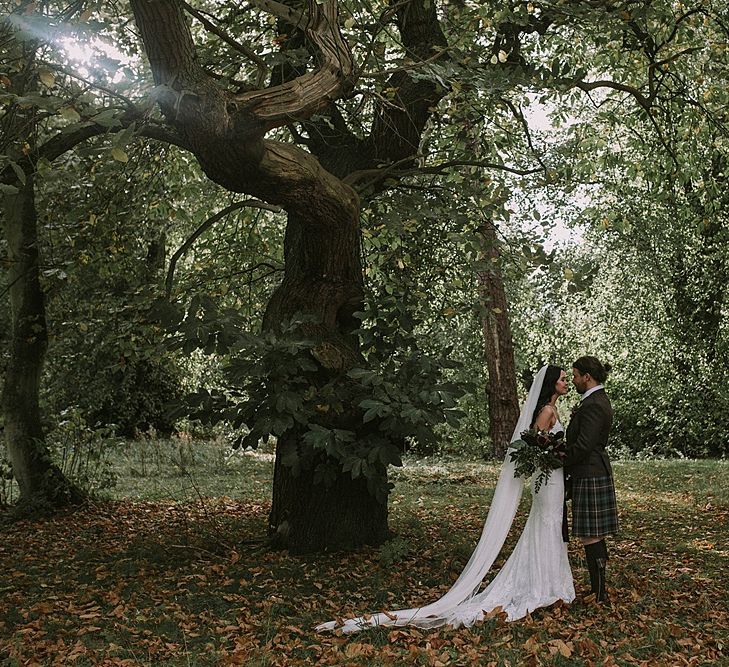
{"x": 496, "y": 527}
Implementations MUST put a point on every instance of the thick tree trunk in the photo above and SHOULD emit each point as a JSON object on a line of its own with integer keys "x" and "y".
{"x": 309, "y": 517}
{"x": 498, "y": 346}
{"x": 41, "y": 483}
{"x": 323, "y": 278}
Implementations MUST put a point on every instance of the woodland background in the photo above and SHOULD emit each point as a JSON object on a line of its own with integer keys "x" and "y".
{"x": 339, "y": 233}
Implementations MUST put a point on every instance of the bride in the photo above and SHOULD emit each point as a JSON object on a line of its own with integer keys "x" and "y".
{"x": 537, "y": 573}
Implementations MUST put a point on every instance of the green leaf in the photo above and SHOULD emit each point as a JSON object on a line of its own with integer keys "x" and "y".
{"x": 281, "y": 424}
{"x": 389, "y": 455}
{"x": 47, "y": 78}
{"x": 119, "y": 155}
{"x": 70, "y": 114}
{"x": 371, "y": 403}
{"x": 18, "y": 171}
{"x": 288, "y": 402}
{"x": 317, "y": 437}
{"x": 107, "y": 118}
{"x": 8, "y": 189}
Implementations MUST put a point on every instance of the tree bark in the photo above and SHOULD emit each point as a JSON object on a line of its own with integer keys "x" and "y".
{"x": 398, "y": 127}
{"x": 323, "y": 278}
{"x": 309, "y": 517}
{"x": 42, "y": 484}
{"x": 498, "y": 345}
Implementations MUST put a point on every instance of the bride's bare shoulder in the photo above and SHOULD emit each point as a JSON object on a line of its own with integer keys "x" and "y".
{"x": 546, "y": 418}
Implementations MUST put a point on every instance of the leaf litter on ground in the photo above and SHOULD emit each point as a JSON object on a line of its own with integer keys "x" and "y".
{"x": 192, "y": 582}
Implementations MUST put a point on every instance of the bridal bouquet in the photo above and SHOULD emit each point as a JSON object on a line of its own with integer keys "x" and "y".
{"x": 538, "y": 451}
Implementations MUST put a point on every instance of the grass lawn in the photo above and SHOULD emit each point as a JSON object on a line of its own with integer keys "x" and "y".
{"x": 171, "y": 567}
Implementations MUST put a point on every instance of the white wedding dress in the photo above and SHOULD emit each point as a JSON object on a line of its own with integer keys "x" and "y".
{"x": 536, "y": 574}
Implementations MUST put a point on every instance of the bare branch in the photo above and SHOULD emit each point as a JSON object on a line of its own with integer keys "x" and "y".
{"x": 680, "y": 20}
{"x": 440, "y": 168}
{"x": 248, "y": 203}
{"x": 587, "y": 86}
{"x": 65, "y": 141}
{"x": 62, "y": 142}
{"x": 676, "y": 56}
{"x": 404, "y": 68}
{"x": 378, "y": 175}
{"x": 519, "y": 115}
{"x": 644, "y": 101}
{"x": 163, "y": 133}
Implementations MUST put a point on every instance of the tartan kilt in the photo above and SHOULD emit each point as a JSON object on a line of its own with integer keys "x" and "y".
{"x": 594, "y": 508}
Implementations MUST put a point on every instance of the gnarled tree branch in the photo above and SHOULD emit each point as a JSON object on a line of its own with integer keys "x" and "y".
{"x": 225, "y": 131}
{"x": 313, "y": 91}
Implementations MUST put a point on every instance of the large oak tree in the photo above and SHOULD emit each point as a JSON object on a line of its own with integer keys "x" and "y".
{"x": 226, "y": 130}
{"x": 312, "y": 171}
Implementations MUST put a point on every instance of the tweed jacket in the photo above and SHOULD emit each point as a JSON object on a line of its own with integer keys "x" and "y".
{"x": 587, "y": 437}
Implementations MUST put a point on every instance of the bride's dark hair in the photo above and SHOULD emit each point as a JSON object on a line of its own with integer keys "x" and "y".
{"x": 548, "y": 389}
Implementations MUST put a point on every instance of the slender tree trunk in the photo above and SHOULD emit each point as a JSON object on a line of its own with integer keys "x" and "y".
{"x": 41, "y": 482}
{"x": 498, "y": 346}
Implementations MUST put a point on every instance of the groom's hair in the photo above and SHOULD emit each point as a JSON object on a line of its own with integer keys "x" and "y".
{"x": 592, "y": 366}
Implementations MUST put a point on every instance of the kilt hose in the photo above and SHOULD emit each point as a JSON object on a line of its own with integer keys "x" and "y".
{"x": 594, "y": 508}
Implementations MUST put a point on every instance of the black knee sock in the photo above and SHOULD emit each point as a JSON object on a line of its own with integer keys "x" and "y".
{"x": 597, "y": 556}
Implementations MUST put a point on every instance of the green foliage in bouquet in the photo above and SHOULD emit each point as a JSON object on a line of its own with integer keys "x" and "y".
{"x": 540, "y": 452}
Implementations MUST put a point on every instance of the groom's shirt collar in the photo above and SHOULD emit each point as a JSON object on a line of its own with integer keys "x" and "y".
{"x": 592, "y": 391}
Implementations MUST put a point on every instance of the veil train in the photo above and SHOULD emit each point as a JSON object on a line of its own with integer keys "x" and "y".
{"x": 457, "y": 606}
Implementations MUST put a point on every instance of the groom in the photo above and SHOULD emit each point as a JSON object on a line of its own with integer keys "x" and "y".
{"x": 594, "y": 509}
